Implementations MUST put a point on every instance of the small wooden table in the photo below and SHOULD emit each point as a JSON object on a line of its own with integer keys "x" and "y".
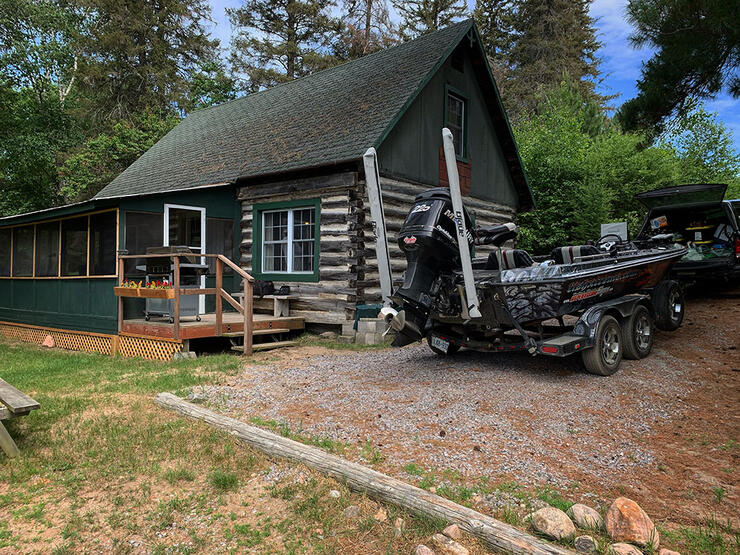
{"x": 16, "y": 404}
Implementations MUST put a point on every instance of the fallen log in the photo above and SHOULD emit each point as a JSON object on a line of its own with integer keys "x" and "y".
{"x": 495, "y": 534}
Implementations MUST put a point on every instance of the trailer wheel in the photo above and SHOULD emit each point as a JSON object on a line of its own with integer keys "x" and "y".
{"x": 451, "y": 350}
{"x": 669, "y": 305}
{"x": 638, "y": 334}
{"x": 604, "y": 357}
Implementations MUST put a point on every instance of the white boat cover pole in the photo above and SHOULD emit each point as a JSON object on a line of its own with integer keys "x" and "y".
{"x": 372, "y": 179}
{"x": 462, "y": 231}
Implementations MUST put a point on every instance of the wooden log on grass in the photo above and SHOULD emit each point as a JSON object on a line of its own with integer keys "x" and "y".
{"x": 495, "y": 534}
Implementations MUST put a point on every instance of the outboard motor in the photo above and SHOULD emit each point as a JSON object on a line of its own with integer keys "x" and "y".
{"x": 428, "y": 239}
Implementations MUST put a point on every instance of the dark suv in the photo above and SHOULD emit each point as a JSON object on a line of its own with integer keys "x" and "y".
{"x": 699, "y": 218}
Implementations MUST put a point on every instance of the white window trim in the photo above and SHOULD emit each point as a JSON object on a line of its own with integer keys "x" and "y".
{"x": 463, "y": 103}
{"x": 289, "y": 239}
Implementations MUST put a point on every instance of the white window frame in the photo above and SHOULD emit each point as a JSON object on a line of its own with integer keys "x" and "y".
{"x": 463, "y": 103}
{"x": 166, "y": 240}
{"x": 290, "y": 241}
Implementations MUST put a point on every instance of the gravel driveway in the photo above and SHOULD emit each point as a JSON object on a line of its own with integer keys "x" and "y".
{"x": 535, "y": 420}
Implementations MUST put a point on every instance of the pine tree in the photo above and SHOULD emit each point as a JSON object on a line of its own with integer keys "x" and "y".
{"x": 697, "y": 55}
{"x": 494, "y": 19}
{"x": 141, "y": 53}
{"x": 424, "y": 16}
{"x": 552, "y": 37}
{"x": 366, "y": 28}
{"x": 276, "y": 41}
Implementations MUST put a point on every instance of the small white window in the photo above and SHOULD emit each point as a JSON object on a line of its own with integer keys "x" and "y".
{"x": 455, "y": 122}
{"x": 288, "y": 241}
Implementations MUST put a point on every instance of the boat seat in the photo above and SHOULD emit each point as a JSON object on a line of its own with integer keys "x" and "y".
{"x": 508, "y": 259}
{"x": 495, "y": 234}
{"x": 570, "y": 254}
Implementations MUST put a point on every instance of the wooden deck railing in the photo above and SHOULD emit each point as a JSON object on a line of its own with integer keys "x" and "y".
{"x": 245, "y": 309}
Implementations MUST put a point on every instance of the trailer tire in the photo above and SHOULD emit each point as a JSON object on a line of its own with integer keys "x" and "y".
{"x": 669, "y": 305}
{"x": 604, "y": 357}
{"x": 637, "y": 333}
{"x": 451, "y": 350}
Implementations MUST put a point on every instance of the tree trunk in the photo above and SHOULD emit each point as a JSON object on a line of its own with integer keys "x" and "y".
{"x": 495, "y": 534}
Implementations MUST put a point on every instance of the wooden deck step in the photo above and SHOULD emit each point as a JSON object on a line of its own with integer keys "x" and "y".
{"x": 266, "y": 331}
{"x": 265, "y": 346}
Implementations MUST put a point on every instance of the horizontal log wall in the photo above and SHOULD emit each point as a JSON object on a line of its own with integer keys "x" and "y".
{"x": 332, "y": 300}
{"x": 398, "y": 196}
{"x": 348, "y": 270}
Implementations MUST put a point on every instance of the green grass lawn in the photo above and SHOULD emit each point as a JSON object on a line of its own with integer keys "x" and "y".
{"x": 103, "y": 468}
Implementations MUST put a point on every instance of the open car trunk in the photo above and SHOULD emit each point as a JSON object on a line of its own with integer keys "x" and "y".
{"x": 697, "y": 218}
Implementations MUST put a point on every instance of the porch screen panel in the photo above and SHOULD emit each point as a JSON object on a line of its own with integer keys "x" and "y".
{"x": 23, "y": 251}
{"x": 143, "y": 230}
{"x": 219, "y": 240}
{"x": 74, "y": 247}
{"x": 5, "y": 252}
{"x": 103, "y": 244}
{"x": 303, "y": 240}
{"x": 275, "y": 241}
{"x": 47, "y": 249}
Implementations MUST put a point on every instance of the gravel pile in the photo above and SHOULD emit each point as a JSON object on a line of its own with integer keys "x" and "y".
{"x": 536, "y": 420}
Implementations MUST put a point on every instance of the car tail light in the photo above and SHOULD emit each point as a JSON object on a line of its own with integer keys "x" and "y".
{"x": 737, "y": 247}
{"x": 548, "y": 349}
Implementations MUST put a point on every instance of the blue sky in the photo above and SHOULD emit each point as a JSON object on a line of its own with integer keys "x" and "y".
{"x": 620, "y": 63}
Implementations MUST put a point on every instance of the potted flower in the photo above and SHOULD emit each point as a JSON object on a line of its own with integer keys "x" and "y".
{"x": 154, "y": 289}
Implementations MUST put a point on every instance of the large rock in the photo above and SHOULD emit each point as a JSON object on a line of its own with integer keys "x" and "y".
{"x": 448, "y": 545}
{"x": 665, "y": 551}
{"x": 585, "y": 544}
{"x": 553, "y": 523}
{"x": 627, "y": 522}
{"x": 453, "y": 532}
{"x": 422, "y": 549}
{"x": 585, "y": 517}
{"x": 623, "y": 549}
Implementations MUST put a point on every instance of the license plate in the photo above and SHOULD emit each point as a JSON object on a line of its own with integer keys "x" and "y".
{"x": 440, "y": 344}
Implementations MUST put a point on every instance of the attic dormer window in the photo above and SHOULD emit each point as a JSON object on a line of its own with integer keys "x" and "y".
{"x": 456, "y": 121}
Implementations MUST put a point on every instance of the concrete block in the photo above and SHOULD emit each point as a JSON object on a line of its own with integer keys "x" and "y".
{"x": 346, "y": 338}
{"x": 348, "y": 329}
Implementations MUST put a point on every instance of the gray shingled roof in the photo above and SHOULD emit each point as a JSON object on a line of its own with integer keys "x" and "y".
{"x": 322, "y": 119}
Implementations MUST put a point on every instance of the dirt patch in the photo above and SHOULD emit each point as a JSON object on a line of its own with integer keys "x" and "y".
{"x": 663, "y": 431}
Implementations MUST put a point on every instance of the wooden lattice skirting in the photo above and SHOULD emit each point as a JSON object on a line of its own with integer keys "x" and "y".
{"x": 125, "y": 345}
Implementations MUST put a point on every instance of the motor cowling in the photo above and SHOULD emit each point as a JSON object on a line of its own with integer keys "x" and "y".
{"x": 428, "y": 238}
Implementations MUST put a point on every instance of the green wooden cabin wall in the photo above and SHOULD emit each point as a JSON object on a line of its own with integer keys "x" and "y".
{"x": 88, "y": 304}
{"x": 411, "y": 150}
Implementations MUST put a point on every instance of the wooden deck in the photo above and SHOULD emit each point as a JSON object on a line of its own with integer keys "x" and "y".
{"x": 233, "y": 322}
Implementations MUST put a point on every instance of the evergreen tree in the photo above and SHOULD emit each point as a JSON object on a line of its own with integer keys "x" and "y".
{"x": 551, "y": 37}
{"x": 697, "y": 55}
{"x": 275, "y": 41}
{"x": 495, "y": 19}
{"x": 424, "y": 16}
{"x": 367, "y": 28}
{"x": 140, "y": 55}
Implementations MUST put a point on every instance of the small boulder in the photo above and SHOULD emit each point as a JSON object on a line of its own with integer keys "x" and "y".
{"x": 553, "y": 523}
{"x": 623, "y": 549}
{"x": 422, "y": 549}
{"x": 328, "y": 335}
{"x": 335, "y": 494}
{"x": 448, "y": 546}
{"x": 381, "y": 515}
{"x": 353, "y": 511}
{"x": 585, "y": 544}
{"x": 399, "y": 525}
{"x": 453, "y": 532}
{"x": 627, "y": 522}
{"x": 48, "y": 342}
{"x": 584, "y": 516}
{"x": 665, "y": 551}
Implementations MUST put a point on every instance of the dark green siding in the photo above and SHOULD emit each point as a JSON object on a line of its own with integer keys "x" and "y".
{"x": 89, "y": 304}
{"x": 411, "y": 150}
{"x": 77, "y": 304}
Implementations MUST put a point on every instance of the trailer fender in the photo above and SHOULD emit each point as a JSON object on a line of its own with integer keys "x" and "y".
{"x": 620, "y": 308}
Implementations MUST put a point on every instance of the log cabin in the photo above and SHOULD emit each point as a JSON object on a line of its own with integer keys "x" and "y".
{"x": 274, "y": 181}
